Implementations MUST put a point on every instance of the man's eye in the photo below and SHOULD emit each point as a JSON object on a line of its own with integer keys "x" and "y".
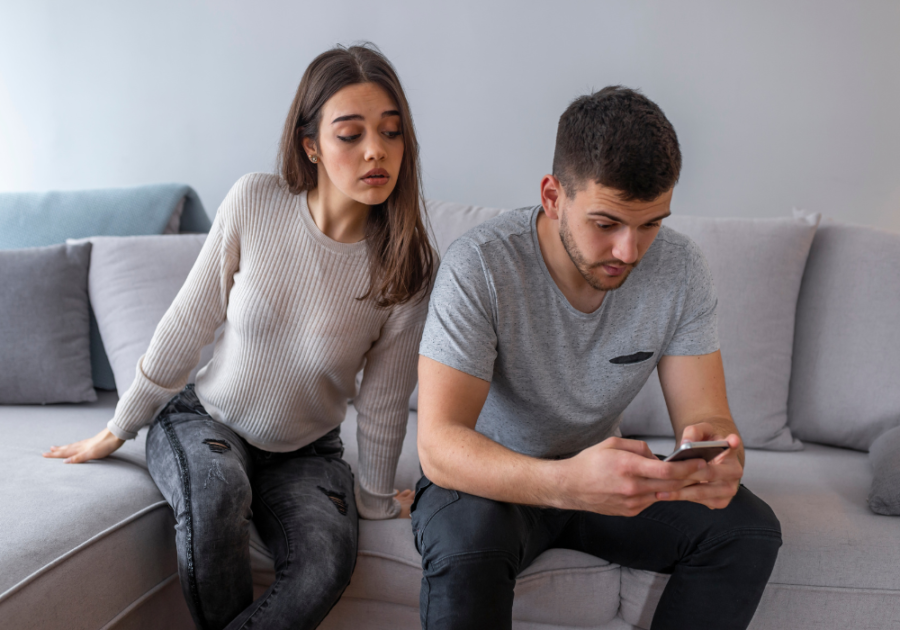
{"x": 349, "y": 138}
{"x": 655, "y": 224}
{"x": 605, "y": 226}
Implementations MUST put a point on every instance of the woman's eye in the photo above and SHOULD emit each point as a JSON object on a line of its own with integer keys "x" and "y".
{"x": 349, "y": 138}
{"x": 393, "y": 134}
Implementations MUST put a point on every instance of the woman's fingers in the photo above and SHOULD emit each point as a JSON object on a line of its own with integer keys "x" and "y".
{"x": 96, "y": 447}
{"x": 62, "y": 451}
{"x": 405, "y": 500}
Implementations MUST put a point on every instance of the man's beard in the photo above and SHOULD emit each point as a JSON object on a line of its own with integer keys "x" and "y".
{"x": 584, "y": 267}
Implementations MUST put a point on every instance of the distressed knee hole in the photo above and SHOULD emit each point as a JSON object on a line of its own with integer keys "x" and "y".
{"x": 338, "y": 498}
{"x": 217, "y": 446}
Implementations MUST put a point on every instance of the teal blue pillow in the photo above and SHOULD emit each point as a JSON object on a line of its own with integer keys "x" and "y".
{"x": 33, "y": 219}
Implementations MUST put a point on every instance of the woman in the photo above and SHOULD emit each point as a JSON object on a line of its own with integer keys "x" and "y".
{"x": 315, "y": 274}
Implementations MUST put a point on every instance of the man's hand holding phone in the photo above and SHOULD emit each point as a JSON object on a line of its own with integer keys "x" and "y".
{"x": 620, "y": 477}
{"x": 720, "y": 480}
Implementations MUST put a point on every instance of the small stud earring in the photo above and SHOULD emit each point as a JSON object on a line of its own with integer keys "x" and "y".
{"x": 313, "y": 159}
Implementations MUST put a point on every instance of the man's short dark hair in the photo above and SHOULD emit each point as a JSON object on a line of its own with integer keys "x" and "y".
{"x": 618, "y": 138}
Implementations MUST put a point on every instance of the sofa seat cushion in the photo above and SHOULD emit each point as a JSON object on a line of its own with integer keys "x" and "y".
{"x": 838, "y": 565}
{"x": 561, "y": 588}
{"x": 78, "y": 543}
{"x": 831, "y": 538}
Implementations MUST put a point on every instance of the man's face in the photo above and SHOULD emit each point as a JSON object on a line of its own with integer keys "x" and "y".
{"x": 606, "y": 237}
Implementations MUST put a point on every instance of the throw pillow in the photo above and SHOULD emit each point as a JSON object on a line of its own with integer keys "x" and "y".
{"x": 884, "y": 497}
{"x": 757, "y": 265}
{"x": 44, "y": 325}
{"x": 847, "y": 351}
{"x": 133, "y": 280}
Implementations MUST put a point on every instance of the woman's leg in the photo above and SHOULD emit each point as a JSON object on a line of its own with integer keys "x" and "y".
{"x": 201, "y": 467}
{"x": 304, "y": 509}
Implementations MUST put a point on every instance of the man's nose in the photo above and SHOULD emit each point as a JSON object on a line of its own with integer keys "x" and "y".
{"x": 625, "y": 246}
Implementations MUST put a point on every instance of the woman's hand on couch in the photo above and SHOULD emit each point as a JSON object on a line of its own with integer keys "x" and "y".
{"x": 96, "y": 447}
{"x": 405, "y": 499}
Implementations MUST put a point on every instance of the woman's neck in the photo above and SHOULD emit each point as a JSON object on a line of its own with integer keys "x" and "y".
{"x": 337, "y": 216}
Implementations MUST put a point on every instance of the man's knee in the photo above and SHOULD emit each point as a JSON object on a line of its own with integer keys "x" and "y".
{"x": 457, "y": 529}
{"x": 750, "y": 532}
{"x": 749, "y": 514}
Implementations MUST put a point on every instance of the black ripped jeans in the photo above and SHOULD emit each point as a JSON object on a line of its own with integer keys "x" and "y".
{"x": 473, "y": 548}
{"x": 301, "y": 502}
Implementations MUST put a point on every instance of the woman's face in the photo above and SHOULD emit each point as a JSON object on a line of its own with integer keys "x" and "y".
{"x": 360, "y": 144}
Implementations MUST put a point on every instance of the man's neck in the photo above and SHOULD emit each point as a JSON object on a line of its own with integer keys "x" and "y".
{"x": 581, "y": 295}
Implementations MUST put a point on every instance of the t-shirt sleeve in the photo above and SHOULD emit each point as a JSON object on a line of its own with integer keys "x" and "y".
{"x": 697, "y": 330}
{"x": 460, "y": 331}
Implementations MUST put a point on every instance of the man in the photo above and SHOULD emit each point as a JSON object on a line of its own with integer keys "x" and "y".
{"x": 543, "y": 325}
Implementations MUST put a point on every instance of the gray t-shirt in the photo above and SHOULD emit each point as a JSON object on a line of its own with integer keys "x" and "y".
{"x": 561, "y": 378}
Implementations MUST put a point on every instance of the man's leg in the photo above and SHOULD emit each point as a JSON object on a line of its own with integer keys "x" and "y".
{"x": 472, "y": 549}
{"x": 720, "y": 560}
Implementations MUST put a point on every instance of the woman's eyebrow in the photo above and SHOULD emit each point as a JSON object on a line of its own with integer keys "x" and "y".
{"x": 390, "y": 112}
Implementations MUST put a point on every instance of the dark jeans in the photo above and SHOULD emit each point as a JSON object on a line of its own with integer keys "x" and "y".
{"x": 473, "y": 548}
{"x": 301, "y": 502}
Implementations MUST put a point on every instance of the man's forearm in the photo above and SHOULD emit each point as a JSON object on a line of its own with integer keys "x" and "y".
{"x": 460, "y": 458}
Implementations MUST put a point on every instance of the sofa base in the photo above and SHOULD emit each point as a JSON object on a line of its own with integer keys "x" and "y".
{"x": 161, "y": 607}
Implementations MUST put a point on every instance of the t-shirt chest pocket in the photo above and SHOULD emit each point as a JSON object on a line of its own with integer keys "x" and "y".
{"x": 633, "y": 358}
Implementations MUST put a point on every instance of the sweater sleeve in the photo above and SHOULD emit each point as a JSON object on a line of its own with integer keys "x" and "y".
{"x": 187, "y": 326}
{"x": 383, "y": 407}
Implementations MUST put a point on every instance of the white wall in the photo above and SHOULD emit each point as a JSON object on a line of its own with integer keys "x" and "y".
{"x": 777, "y": 103}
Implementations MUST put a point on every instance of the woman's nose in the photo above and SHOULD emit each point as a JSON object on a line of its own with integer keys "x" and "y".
{"x": 375, "y": 148}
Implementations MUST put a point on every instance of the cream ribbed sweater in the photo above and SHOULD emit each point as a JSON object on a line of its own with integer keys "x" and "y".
{"x": 294, "y": 338}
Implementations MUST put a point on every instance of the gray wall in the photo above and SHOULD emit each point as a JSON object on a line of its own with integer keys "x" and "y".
{"x": 777, "y": 104}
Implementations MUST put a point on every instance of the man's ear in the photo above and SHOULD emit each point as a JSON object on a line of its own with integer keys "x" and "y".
{"x": 551, "y": 196}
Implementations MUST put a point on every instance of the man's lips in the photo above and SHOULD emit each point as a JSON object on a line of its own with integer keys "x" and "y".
{"x": 376, "y": 177}
{"x": 614, "y": 270}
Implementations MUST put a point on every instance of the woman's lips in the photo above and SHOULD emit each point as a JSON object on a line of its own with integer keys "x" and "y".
{"x": 376, "y": 177}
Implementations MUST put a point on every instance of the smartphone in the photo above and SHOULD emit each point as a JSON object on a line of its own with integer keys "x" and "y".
{"x": 692, "y": 450}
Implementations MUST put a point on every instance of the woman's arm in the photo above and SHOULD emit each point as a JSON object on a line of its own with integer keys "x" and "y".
{"x": 383, "y": 409}
{"x": 187, "y": 326}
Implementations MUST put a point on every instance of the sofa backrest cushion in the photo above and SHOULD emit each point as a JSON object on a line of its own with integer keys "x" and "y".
{"x": 32, "y": 219}
{"x": 845, "y": 384}
{"x": 44, "y": 327}
{"x": 447, "y": 221}
{"x": 132, "y": 282}
{"x": 757, "y": 265}
{"x": 451, "y": 220}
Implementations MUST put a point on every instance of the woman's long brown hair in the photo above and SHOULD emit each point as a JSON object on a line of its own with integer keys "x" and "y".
{"x": 401, "y": 259}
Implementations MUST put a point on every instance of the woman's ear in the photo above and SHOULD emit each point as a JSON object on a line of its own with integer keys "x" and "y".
{"x": 309, "y": 146}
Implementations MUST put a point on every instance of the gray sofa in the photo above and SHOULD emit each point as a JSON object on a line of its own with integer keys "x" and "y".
{"x": 92, "y": 546}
